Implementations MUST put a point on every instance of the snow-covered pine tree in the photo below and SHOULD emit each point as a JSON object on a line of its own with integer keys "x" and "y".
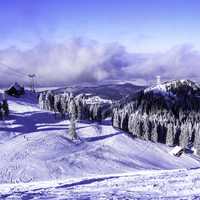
{"x": 184, "y": 136}
{"x": 197, "y": 139}
{"x": 124, "y": 121}
{"x": 147, "y": 129}
{"x": 154, "y": 134}
{"x": 116, "y": 118}
{"x": 170, "y": 134}
{"x": 40, "y": 100}
{"x": 79, "y": 105}
{"x": 73, "y": 118}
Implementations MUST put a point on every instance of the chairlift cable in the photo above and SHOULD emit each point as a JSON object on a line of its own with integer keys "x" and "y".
{"x": 12, "y": 69}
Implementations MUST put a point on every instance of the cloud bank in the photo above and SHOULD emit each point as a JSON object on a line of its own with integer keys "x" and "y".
{"x": 80, "y": 60}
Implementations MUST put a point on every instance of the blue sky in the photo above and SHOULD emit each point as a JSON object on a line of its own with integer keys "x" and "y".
{"x": 140, "y": 25}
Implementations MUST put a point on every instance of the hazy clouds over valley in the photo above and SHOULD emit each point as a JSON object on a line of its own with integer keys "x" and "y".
{"x": 84, "y": 60}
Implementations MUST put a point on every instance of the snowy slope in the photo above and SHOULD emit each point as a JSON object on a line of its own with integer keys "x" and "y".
{"x": 162, "y": 184}
{"x": 35, "y": 147}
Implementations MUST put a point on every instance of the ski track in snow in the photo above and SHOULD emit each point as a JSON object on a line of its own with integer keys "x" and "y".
{"x": 168, "y": 184}
{"x": 105, "y": 164}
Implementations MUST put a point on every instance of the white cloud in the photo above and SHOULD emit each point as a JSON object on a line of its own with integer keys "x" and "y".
{"x": 178, "y": 62}
{"x": 80, "y": 60}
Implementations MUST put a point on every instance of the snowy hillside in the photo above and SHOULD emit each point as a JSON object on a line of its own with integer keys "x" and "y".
{"x": 167, "y": 113}
{"x": 173, "y": 86}
{"x": 35, "y": 147}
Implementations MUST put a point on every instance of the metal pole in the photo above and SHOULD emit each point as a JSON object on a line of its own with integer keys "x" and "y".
{"x": 32, "y": 76}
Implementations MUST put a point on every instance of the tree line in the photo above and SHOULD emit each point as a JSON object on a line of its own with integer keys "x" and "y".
{"x": 67, "y": 105}
{"x": 172, "y": 119}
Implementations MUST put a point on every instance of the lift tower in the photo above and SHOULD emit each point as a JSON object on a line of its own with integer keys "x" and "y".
{"x": 32, "y": 83}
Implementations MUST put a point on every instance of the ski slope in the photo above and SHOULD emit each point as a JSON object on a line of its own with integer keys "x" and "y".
{"x": 162, "y": 184}
{"x": 39, "y": 160}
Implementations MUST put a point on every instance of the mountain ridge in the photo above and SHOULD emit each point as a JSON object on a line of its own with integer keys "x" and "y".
{"x": 166, "y": 113}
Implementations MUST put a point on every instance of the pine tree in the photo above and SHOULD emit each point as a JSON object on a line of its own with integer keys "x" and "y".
{"x": 147, "y": 129}
{"x": 184, "y": 136}
{"x": 197, "y": 139}
{"x": 40, "y": 99}
{"x": 154, "y": 134}
{"x": 1, "y": 113}
{"x": 5, "y": 107}
{"x": 170, "y": 135}
{"x": 73, "y": 118}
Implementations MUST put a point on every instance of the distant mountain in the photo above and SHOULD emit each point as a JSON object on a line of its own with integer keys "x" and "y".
{"x": 166, "y": 113}
{"x": 107, "y": 91}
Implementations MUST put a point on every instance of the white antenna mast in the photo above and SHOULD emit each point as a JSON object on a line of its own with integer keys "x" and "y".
{"x": 158, "y": 80}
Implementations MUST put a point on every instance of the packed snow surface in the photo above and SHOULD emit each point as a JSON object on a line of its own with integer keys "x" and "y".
{"x": 160, "y": 184}
{"x": 40, "y": 161}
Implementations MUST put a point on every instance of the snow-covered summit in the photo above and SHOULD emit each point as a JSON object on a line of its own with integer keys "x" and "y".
{"x": 174, "y": 86}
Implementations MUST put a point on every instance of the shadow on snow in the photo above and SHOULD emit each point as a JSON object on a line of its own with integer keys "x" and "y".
{"x": 102, "y": 137}
{"x": 34, "y": 122}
